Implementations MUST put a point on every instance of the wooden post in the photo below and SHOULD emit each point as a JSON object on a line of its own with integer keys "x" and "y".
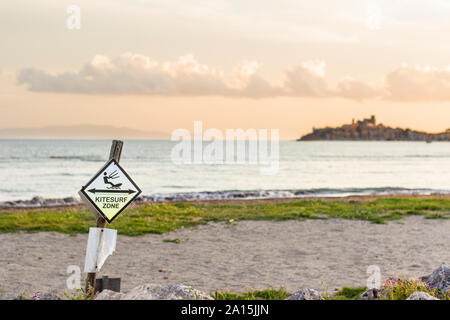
{"x": 115, "y": 153}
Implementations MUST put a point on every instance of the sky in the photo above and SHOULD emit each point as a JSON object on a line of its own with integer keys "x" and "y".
{"x": 287, "y": 64}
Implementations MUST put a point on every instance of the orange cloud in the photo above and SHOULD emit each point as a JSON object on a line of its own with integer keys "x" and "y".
{"x": 418, "y": 83}
{"x": 138, "y": 74}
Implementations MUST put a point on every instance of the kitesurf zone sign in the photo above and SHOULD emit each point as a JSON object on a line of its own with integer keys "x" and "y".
{"x": 110, "y": 191}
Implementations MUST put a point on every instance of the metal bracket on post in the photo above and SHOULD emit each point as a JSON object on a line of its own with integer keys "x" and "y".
{"x": 106, "y": 283}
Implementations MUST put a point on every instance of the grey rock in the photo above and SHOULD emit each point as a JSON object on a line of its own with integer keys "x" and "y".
{"x": 70, "y": 200}
{"x": 439, "y": 279}
{"x": 156, "y": 292}
{"x": 305, "y": 294}
{"x": 13, "y": 296}
{"x": 109, "y": 295}
{"x": 420, "y": 295}
{"x": 37, "y": 296}
{"x": 373, "y": 294}
{"x": 37, "y": 200}
{"x": 45, "y": 296}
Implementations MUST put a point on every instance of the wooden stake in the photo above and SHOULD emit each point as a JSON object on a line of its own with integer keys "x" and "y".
{"x": 115, "y": 153}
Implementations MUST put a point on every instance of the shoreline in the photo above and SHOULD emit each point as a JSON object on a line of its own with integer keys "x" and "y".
{"x": 136, "y": 204}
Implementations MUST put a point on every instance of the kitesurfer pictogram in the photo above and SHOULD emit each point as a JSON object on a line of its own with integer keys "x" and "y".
{"x": 111, "y": 176}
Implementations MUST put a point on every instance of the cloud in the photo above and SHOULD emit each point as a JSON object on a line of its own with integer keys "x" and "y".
{"x": 409, "y": 83}
{"x": 138, "y": 74}
{"x": 307, "y": 80}
{"x": 355, "y": 89}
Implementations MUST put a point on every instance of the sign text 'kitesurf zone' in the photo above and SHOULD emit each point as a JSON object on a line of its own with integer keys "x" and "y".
{"x": 111, "y": 190}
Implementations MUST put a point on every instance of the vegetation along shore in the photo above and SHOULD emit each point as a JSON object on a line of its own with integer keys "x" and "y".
{"x": 164, "y": 217}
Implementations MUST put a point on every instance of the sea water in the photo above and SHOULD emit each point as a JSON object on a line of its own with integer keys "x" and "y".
{"x": 58, "y": 169}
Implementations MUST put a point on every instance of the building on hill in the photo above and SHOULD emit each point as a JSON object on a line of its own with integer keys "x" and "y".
{"x": 371, "y": 122}
{"x": 368, "y": 130}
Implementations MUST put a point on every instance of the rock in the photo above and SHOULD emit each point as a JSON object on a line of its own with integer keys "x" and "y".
{"x": 109, "y": 295}
{"x": 37, "y": 296}
{"x": 373, "y": 294}
{"x": 70, "y": 200}
{"x": 156, "y": 292}
{"x": 420, "y": 295}
{"x": 13, "y": 296}
{"x": 170, "y": 292}
{"x": 45, "y": 296}
{"x": 439, "y": 279}
{"x": 37, "y": 200}
{"x": 305, "y": 294}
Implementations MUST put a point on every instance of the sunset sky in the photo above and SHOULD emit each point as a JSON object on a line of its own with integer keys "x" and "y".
{"x": 284, "y": 64}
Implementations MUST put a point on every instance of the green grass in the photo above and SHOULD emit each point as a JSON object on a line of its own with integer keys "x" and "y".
{"x": 164, "y": 217}
{"x": 267, "y": 294}
{"x": 397, "y": 290}
{"x": 176, "y": 240}
{"x": 347, "y": 293}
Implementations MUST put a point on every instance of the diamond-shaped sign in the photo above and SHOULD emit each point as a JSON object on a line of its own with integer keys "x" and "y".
{"x": 111, "y": 190}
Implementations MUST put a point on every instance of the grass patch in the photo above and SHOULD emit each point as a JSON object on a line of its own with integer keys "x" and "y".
{"x": 160, "y": 218}
{"x": 436, "y": 216}
{"x": 347, "y": 293}
{"x": 268, "y": 294}
{"x": 176, "y": 240}
{"x": 399, "y": 289}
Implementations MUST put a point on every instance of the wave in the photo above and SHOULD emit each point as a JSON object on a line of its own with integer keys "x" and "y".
{"x": 428, "y": 156}
{"x": 381, "y": 157}
{"x": 289, "y": 193}
{"x": 81, "y": 158}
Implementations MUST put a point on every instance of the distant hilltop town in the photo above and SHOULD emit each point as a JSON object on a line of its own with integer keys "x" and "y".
{"x": 368, "y": 129}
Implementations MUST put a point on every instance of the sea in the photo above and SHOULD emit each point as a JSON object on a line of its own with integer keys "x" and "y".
{"x": 57, "y": 169}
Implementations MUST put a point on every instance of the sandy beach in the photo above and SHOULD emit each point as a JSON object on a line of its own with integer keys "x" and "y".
{"x": 320, "y": 254}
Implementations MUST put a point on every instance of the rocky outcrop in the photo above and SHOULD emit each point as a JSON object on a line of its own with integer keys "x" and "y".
{"x": 373, "y": 294}
{"x": 420, "y": 295}
{"x": 13, "y": 296}
{"x": 437, "y": 283}
{"x": 156, "y": 292}
{"x": 110, "y": 295}
{"x": 45, "y": 296}
{"x": 37, "y": 296}
{"x": 368, "y": 129}
{"x": 438, "y": 279}
{"x": 306, "y": 294}
{"x": 40, "y": 202}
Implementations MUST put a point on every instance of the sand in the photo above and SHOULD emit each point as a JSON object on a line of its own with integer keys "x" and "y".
{"x": 319, "y": 254}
